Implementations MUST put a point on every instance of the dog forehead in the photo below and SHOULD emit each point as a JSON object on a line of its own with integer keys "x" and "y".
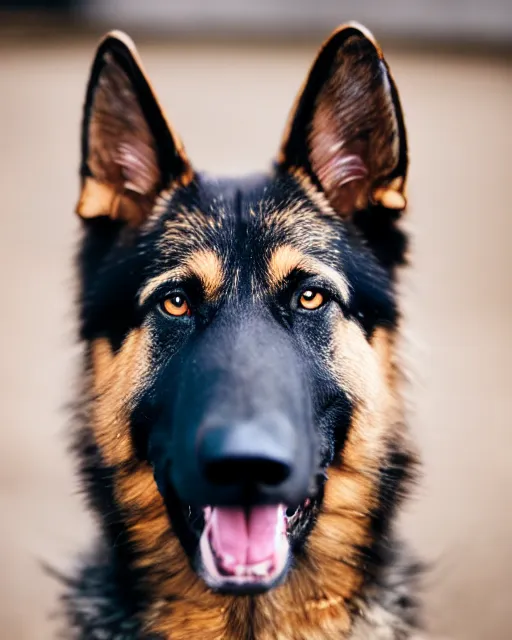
{"x": 248, "y": 218}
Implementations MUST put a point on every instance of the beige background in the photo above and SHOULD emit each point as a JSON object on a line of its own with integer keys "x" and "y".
{"x": 230, "y": 103}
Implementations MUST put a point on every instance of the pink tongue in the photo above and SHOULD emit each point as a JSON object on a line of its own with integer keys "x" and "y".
{"x": 238, "y": 539}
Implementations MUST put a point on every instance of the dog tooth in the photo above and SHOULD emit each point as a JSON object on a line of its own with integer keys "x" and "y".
{"x": 228, "y": 560}
{"x": 261, "y": 569}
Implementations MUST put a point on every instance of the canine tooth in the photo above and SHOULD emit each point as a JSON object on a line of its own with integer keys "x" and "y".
{"x": 240, "y": 570}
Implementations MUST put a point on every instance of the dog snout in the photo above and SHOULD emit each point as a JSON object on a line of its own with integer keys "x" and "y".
{"x": 257, "y": 453}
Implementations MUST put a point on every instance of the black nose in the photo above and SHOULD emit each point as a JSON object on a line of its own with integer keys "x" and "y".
{"x": 250, "y": 453}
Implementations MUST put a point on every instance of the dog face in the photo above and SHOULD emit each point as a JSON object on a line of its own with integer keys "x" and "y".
{"x": 239, "y": 332}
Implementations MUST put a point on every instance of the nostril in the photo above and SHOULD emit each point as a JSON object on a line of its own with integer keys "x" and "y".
{"x": 247, "y": 471}
{"x": 247, "y": 453}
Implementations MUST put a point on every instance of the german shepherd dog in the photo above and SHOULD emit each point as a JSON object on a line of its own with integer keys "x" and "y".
{"x": 241, "y": 434}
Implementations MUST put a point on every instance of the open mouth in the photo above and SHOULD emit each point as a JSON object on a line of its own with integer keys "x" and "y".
{"x": 249, "y": 548}
{"x": 244, "y": 547}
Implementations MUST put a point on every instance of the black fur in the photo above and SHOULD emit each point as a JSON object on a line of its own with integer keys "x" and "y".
{"x": 250, "y": 353}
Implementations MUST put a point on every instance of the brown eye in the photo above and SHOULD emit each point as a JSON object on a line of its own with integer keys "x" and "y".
{"x": 311, "y": 300}
{"x": 176, "y": 305}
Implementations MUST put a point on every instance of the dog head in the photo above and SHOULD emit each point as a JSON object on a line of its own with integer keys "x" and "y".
{"x": 240, "y": 332}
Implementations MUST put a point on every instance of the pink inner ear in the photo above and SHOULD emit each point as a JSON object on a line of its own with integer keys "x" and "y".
{"x": 338, "y": 171}
{"x": 138, "y": 167}
{"x": 342, "y": 173}
{"x": 122, "y": 149}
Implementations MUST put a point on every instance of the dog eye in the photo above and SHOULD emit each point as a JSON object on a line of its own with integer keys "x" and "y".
{"x": 311, "y": 299}
{"x": 176, "y": 305}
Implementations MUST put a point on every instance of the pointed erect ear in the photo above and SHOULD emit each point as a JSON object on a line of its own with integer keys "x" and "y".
{"x": 129, "y": 152}
{"x": 346, "y": 130}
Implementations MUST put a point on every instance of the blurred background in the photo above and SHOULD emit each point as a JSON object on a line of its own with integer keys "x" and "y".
{"x": 227, "y": 72}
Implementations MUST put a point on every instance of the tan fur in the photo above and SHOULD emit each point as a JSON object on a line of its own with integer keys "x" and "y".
{"x": 313, "y": 603}
{"x": 189, "y": 230}
{"x": 122, "y": 153}
{"x": 321, "y": 593}
{"x": 203, "y": 264}
{"x": 286, "y": 258}
{"x": 96, "y": 198}
{"x": 115, "y": 380}
{"x": 300, "y": 221}
{"x": 354, "y": 169}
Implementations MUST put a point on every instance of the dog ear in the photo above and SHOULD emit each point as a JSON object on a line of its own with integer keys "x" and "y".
{"x": 346, "y": 130}
{"x": 129, "y": 152}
